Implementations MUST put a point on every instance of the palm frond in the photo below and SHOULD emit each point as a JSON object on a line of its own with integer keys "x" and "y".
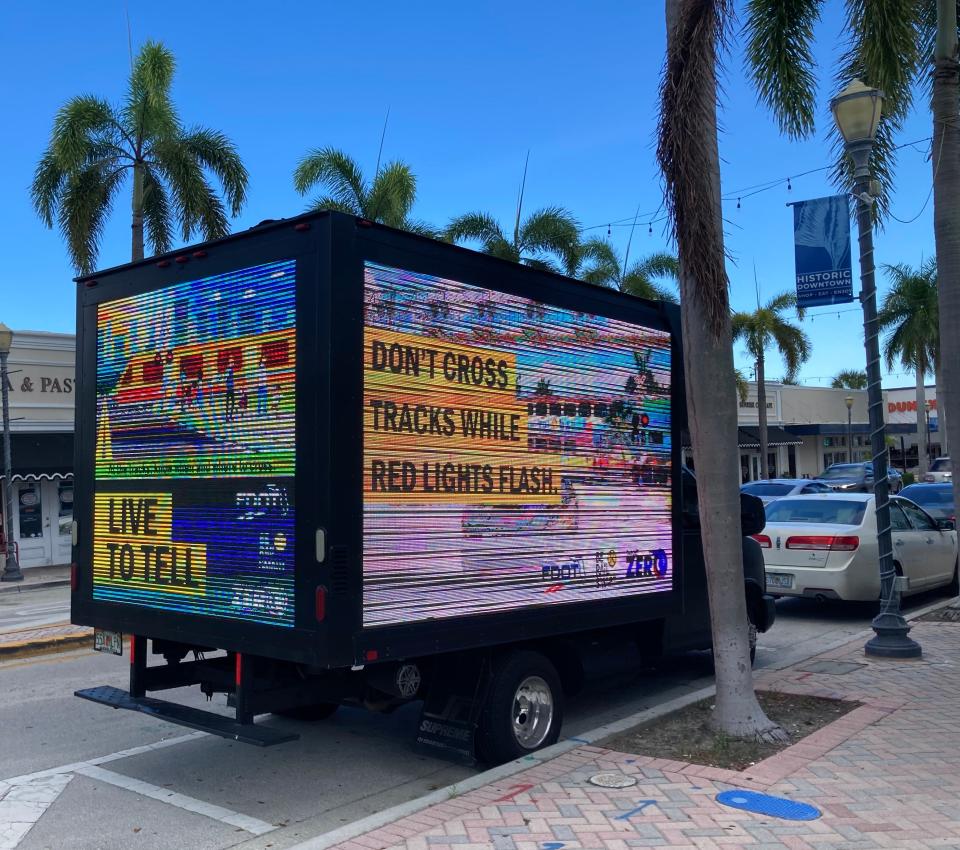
{"x": 660, "y": 264}
{"x": 48, "y": 180}
{"x": 157, "y": 215}
{"x": 743, "y": 387}
{"x": 793, "y": 345}
{"x": 540, "y": 264}
{"x": 214, "y": 151}
{"x": 884, "y": 51}
{"x": 850, "y": 379}
{"x": 478, "y": 226}
{"x": 148, "y": 111}
{"x": 335, "y": 171}
{"x": 85, "y": 204}
{"x": 640, "y": 286}
{"x": 779, "y": 58}
{"x": 550, "y": 230}
{"x": 421, "y": 228}
{"x": 781, "y": 302}
{"x": 602, "y": 264}
{"x": 392, "y": 195}
{"x": 81, "y": 126}
{"x": 326, "y": 202}
{"x": 188, "y": 186}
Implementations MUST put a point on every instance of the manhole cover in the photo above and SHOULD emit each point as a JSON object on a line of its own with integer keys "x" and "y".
{"x": 765, "y": 804}
{"x": 837, "y": 668}
{"x": 612, "y": 780}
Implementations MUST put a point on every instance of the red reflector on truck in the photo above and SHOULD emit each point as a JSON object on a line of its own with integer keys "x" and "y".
{"x": 321, "y": 603}
{"x": 763, "y": 540}
{"x": 371, "y": 655}
{"x": 824, "y": 544}
{"x": 73, "y": 577}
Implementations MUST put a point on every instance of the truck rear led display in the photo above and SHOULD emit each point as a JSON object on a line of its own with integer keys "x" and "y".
{"x": 516, "y": 454}
{"x": 195, "y": 447}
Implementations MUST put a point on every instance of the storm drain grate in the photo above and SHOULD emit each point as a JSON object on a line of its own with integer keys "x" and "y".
{"x": 764, "y": 804}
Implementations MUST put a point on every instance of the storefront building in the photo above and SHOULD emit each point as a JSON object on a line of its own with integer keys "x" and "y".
{"x": 41, "y": 388}
{"x": 900, "y": 412}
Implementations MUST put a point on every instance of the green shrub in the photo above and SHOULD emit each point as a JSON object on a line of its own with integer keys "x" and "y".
{"x": 908, "y": 478}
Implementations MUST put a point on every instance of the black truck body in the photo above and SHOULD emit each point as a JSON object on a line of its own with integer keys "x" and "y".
{"x": 369, "y": 467}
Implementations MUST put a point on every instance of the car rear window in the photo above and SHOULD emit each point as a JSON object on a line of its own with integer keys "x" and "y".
{"x": 927, "y": 496}
{"x": 824, "y": 511}
{"x": 767, "y": 489}
{"x": 941, "y": 464}
{"x": 845, "y": 470}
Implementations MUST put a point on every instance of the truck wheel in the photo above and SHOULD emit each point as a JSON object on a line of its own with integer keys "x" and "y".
{"x": 523, "y": 710}
{"x": 310, "y": 713}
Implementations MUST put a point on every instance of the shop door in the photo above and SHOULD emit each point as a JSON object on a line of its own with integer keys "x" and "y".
{"x": 31, "y": 524}
{"x": 61, "y": 518}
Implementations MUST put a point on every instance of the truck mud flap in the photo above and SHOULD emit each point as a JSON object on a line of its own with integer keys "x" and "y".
{"x": 451, "y": 711}
{"x": 192, "y": 718}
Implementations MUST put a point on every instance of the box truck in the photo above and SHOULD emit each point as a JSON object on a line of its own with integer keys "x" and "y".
{"x": 326, "y": 462}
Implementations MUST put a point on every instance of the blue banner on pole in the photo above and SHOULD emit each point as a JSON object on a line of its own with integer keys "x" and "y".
{"x": 821, "y": 238}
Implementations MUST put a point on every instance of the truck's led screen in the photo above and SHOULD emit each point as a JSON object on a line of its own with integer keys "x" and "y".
{"x": 515, "y": 454}
{"x": 195, "y": 446}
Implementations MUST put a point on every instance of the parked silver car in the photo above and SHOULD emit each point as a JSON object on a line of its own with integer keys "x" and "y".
{"x": 857, "y": 477}
{"x": 777, "y": 488}
{"x": 941, "y": 472}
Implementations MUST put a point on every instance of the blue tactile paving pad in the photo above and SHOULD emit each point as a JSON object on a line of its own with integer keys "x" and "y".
{"x": 764, "y": 804}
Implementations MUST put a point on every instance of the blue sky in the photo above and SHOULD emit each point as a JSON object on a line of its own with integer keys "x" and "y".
{"x": 471, "y": 88}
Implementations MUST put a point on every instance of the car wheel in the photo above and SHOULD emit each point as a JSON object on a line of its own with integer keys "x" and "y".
{"x": 523, "y": 711}
{"x": 953, "y": 589}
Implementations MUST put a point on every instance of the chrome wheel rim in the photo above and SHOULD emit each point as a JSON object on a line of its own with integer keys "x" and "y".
{"x": 532, "y": 712}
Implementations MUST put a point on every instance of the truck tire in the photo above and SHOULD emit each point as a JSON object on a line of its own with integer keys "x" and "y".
{"x": 523, "y": 710}
{"x": 310, "y": 713}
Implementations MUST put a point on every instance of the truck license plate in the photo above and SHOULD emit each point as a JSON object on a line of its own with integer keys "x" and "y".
{"x": 104, "y": 641}
{"x": 779, "y": 580}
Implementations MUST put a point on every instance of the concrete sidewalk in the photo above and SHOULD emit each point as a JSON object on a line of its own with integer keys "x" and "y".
{"x": 885, "y": 775}
{"x": 37, "y": 578}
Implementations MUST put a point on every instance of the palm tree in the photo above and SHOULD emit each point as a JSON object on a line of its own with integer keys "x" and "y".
{"x": 743, "y": 386}
{"x": 388, "y": 199}
{"x": 910, "y": 317}
{"x": 596, "y": 261}
{"x": 94, "y": 147}
{"x": 891, "y": 46}
{"x": 547, "y": 239}
{"x": 688, "y": 154}
{"x": 849, "y": 379}
{"x": 764, "y": 327}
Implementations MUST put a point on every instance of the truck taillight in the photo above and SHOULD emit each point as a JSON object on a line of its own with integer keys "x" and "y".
{"x": 824, "y": 544}
{"x": 763, "y": 540}
{"x": 73, "y": 578}
{"x": 321, "y": 603}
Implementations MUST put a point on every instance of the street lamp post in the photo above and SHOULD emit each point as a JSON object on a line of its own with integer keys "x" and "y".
{"x": 11, "y": 570}
{"x": 857, "y": 112}
{"x": 848, "y": 401}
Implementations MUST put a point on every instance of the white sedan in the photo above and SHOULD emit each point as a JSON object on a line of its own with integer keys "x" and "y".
{"x": 825, "y": 547}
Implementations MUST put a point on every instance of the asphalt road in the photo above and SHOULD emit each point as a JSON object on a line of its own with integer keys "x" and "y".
{"x": 27, "y": 609}
{"x": 190, "y": 789}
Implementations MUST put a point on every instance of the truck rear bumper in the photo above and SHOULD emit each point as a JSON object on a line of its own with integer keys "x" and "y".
{"x": 192, "y": 718}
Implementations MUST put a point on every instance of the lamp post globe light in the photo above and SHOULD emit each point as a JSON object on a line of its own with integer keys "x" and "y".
{"x": 848, "y": 401}
{"x": 857, "y": 110}
{"x": 11, "y": 570}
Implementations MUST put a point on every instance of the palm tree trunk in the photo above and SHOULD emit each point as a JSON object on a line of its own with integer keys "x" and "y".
{"x": 762, "y": 416}
{"x": 136, "y": 252}
{"x": 946, "y": 218}
{"x": 711, "y": 403}
{"x": 921, "y": 424}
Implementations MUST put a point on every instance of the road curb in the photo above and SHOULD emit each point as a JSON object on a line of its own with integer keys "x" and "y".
{"x": 441, "y": 795}
{"x": 38, "y": 646}
{"x": 9, "y": 587}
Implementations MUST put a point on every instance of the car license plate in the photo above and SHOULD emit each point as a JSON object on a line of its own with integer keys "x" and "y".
{"x": 104, "y": 641}
{"x": 779, "y": 580}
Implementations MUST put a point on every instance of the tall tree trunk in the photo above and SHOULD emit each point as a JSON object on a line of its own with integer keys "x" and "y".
{"x": 136, "y": 227}
{"x": 941, "y": 410}
{"x": 946, "y": 215}
{"x": 762, "y": 415}
{"x": 689, "y": 155}
{"x": 921, "y": 424}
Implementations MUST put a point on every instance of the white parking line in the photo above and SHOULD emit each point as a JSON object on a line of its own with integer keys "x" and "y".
{"x": 181, "y": 801}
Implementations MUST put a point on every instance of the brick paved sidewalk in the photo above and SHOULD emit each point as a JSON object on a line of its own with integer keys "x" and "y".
{"x": 885, "y": 775}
